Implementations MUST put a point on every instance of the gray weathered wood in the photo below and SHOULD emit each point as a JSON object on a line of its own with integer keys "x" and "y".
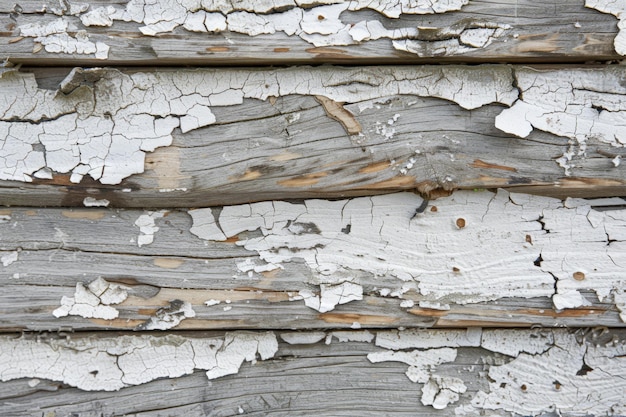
{"x": 298, "y": 146}
{"x": 547, "y": 31}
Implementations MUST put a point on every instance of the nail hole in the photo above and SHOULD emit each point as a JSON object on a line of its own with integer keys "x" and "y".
{"x": 455, "y": 270}
{"x": 320, "y": 17}
{"x": 523, "y": 387}
{"x": 529, "y": 239}
{"x": 460, "y": 222}
{"x": 433, "y": 209}
{"x": 579, "y": 276}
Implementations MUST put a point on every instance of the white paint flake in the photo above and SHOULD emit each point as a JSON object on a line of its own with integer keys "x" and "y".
{"x": 421, "y": 362}
{"x": 618, "y": 9}
{"x": 169, "y": 317}
{"x": 8, "y": 258}
{"x": 104, "y": 131}
{"x": 94, "y": 202}
{"x": 569, "y": 103}
{"x": 440, "y": 391}
{"x": 426, "y": 339}
{"x": 111, "y": 363}
{"x": 332, "y": 295}
{"x": 93, "y": 300}
{"x": 147, "y": 226}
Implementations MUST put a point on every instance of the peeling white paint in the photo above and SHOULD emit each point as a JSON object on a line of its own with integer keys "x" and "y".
{"x": 536, "y": 240}
{"x": 569, "y": 103}
{"x": 112, "y": 363}
{"x": 147, "y": 226}
{"x": 104, "y": 131}
{"x": 421, "y": 362}
{"x": 618, "y": 9}
{"x": 320, "y": 25}
{"x": 169, "y": 317}
{"x": 440, "y": 391}
{"x": 94, "y": 202}
{"x": 556, "y": 380}
{"x": 93, "y": 300}
{"x": 56, "y": 38}
{"x": 332, "y": 295}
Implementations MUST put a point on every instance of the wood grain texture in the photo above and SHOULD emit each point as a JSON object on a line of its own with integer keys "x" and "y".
{"x": 268, "y": 137}
{"x": 421, "y": 269}
{"x": 343, "y": 373}
{"x": 166, "y": 33}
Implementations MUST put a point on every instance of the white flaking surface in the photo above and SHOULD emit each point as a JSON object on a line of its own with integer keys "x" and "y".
{"x": 112, "y": 363}
{"x": 421, "y": 362}
{"x": 147, "y": 226}
{"x": 440, "y": 391}
{"x": 105, "y": 131}
{"x": 618, "y": 9}
{"x": 581, "y": 248}
{"x": 574, "y": 104}
{"x": 8, "y": 258}
{"x": 93, "y": 300}
{"x": 58, "y": 37}
{"x": 94, "y": 202}
{"x": 555, "y": 380}
{"x": 320, "y": 25}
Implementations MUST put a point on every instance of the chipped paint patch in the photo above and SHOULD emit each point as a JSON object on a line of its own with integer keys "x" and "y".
{"x": 147, "y": 226}
{"x": 93, "y": 202}
{"x": 112, "y": 363}
{"x": 618, "y": 9}
{"x": 169, "y": 317}
{"x": 93, "y": 300}
{"x": 102, "y": 122}
{"x": 569, "y": 103}
{"x": 437, "y": 255}
{"x": 566, "y": 378}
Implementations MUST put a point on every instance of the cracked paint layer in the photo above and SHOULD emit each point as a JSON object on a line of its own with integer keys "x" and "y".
{"x": 569, "y": 377}
{"x": 102, "y": 122}
{"x": 93, "y": 300}
{"x": 147, "y": 226}
{"x": 574, "y": 104}
{"x": 542, "y": 247}
{"x": 112, "y": 363}
{"x": 319, "y": 23}
{"x": 618, "y": 9}
{"x": 551, "y": 370}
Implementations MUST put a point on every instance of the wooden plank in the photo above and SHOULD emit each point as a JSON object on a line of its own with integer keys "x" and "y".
{"x": 225, "y": 136}
{"x": 423, "y": 373}
{"x": 358, "y": 32}
{"x": 474, "y": 258}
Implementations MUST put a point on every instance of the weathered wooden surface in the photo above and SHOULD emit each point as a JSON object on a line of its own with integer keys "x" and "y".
{"x": 435, "y": 373}
{"x": 212, "y": 137}
{"x": 474, "y": 258}
{"x": 167, "y": 32}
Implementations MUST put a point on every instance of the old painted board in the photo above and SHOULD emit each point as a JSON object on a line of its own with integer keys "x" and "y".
{"x": 467, "y": 372}
{"x": 185, "y": 138}
{"x": 474, "y": 258}
{"x": 167, "y": 32}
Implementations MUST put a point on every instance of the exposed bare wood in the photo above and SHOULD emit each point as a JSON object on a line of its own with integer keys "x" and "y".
{"x": 164, "y": 32}
{"x": 430, "y": 373}
{"x": 214, "y": 137}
